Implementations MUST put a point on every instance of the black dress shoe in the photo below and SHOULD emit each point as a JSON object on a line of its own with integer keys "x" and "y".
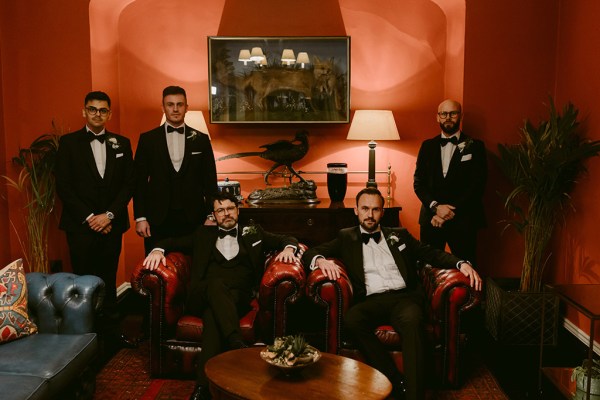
{"x": 200, "y": 393}
{"x": 127, "y": 342}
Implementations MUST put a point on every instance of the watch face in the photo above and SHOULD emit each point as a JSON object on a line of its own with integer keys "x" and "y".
{"x": 110, "y": 215}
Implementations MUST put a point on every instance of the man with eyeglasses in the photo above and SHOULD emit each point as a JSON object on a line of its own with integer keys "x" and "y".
{"x": 449, "y": 179}
{"x": 175, "y": 175}
{"x": 227, "y": 266}
{"x": 94, "y": 180}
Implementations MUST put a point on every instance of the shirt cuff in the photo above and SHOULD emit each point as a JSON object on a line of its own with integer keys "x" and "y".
{"x": 88, "y": 218}
{"x": 313, "y": 263}
{"x": 158, "y": 249}
{"x": 462, "y": 261}
{"x": 140, "y": 219}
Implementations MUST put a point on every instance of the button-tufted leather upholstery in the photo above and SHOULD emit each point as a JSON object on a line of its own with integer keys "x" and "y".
{"x": 56, "y": 362}
{"x": 449, "y": 294}
{"x": 176, "y": 338}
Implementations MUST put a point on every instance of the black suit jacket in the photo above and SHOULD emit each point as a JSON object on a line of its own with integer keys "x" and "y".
{"x": 81, "y": 188}
{"x": 463, "y": 185}
{"x": 406, "y": 250}
{"x": 201, "y": 243}
{"x": 155, "y": 176}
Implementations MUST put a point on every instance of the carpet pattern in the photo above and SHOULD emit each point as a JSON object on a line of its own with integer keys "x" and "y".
{"x": 127, "y": 377}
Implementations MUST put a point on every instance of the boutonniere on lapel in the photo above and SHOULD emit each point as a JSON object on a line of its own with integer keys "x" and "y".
{"x": 114, "y": 143}
{"x": 249, "y": 230}
{"x": 393, "y": 239}
{"x": 193, "y": 135}
{"x": 462, "y": 146}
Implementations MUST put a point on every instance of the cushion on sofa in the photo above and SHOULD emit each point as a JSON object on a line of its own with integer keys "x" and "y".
{"x": 14, "y": 320}
{"x": 57, "y": 358}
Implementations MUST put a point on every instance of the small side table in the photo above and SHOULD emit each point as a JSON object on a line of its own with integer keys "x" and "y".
{"x": 585, "y": 299}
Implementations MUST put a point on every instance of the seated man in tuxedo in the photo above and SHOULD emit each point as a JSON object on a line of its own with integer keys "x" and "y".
{"x": 381, "y": 264}
{"x": 227, "y": 264}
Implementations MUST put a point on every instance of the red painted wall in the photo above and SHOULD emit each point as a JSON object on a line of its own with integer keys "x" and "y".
{"x": 515, "y": 54}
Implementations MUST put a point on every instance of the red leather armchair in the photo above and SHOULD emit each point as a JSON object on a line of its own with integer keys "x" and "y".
{"x": 449, "y": 294}
{"x": 176, "y": 338}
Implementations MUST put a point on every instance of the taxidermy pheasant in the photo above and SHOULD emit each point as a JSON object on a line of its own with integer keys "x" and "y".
{"x": 281, "y": 152}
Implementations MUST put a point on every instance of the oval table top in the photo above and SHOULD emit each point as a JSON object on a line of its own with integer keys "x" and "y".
{"x": 242, "y": 374}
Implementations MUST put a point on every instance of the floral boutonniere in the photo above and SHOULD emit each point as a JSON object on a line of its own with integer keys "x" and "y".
{"x": 249, "y": 230}
{"x": 462, "y": 146}
{"x": 114, "y": 143}
{"x": 392, "y": 239}
{"x": 193, "y": 135}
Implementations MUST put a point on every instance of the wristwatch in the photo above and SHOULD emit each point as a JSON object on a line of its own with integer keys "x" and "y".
{"x": 110, "y": 215}
{"x": 433, "y": 207}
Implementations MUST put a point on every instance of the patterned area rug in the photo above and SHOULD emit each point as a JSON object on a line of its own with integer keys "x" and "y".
{"x": 127, "y": 377}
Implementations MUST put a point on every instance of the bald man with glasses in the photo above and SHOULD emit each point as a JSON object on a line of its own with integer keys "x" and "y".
{"x": 449, "y": 179}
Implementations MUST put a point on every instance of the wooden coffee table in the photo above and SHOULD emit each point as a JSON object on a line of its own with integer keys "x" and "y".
{"x": 242, "y": 374}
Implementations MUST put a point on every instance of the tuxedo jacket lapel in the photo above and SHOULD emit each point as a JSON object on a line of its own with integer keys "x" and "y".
{"x": 399, "y": 257}
{"x": 86, "y": 149}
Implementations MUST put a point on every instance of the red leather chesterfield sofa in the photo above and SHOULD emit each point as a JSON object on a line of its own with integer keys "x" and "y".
{"x": 449, "y": 294}
{"x": 176, "y": 338}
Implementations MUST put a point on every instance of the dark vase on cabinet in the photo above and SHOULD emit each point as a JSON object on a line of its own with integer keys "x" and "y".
{"x": 337, "y": 181}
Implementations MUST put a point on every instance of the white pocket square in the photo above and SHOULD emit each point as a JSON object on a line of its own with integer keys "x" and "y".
{"x": 119, "y": 155}
{"x": 196, "y": 152}
{"x": 466, "y": 157}
{"x": 402, "y": 247}
{"x": 256, "y": 243}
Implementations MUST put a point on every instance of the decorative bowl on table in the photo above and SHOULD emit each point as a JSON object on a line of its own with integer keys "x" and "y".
{"x": 290, "y": 354}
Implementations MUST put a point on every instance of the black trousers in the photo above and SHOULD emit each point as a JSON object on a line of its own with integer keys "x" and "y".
{"x": 404, "y": 312}
{"x": 221, "y": 308}
{"x": 461, "y": 239}
{"x": 93, "y": 253}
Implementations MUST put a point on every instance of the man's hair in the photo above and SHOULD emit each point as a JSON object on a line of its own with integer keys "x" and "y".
{"x": 97, "y": 95}
{"x": 174, "y": 90}
{"x": 370, "y": 190}
{"x": 222, "y": 196}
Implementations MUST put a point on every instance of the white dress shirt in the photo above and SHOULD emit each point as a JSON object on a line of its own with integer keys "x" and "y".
{"x": 228, "y": 246}
{"x": 447, "y": 152}
{"x": 176, "y": 145}
{"x": 99, "y": 150}
{"x": 381, "y": 272}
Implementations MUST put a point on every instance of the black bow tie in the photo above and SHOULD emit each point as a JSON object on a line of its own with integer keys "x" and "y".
{"x": 368, "y": 236}
{"x": 99, "y": 138}
{"x": 231, "y": 232}
{"x": 453, "y": 140}
{"x": 173, "y": 129}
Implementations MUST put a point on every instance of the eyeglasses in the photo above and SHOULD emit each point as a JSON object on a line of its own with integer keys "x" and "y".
{"x": 222, "y": 211}
{"x": 93, "y": 111}
{"x": 446, "y": 114}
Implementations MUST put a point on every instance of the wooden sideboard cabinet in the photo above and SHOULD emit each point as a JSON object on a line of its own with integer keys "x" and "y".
{"x": 311, "y": 224}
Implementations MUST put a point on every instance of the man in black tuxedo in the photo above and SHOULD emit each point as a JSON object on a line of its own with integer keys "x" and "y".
{"x": 94, "y": 180}
{"x": 381, "y": 264}
{"x": 449, "y": 180}
{"x": 227, "y": 265}
{"x": 175, "y": 175}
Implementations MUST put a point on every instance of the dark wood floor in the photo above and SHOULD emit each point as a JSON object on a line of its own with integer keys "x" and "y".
{"x": 516, "y": 368}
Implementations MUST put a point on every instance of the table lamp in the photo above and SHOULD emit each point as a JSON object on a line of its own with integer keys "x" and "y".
{"x": 194, "y": 119}
{"x": 373, "y": 125}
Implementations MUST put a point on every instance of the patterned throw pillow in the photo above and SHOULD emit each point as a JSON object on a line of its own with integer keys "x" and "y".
{"x": 14, "y": 321}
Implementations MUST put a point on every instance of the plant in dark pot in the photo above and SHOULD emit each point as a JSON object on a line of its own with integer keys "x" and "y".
{"x": 36, "y": 184}
{"x": 543, "y": 169}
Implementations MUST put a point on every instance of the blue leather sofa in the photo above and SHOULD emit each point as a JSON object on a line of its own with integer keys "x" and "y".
{"x": 57, "y": 362}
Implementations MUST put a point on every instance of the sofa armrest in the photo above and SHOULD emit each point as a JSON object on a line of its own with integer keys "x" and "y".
{"x": 281, "y": 284}
{"x": 64, "y": 302}
{"x": 450, "y": 295}
{"x": 166, "y": 287}
{"x": 334, "y": 297}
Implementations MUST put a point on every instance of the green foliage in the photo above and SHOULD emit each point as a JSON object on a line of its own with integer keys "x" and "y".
{"x": 37, "y": 185}
{"x": 543, "y": 168}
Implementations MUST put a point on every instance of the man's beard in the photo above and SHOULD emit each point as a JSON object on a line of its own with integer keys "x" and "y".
{"x": 368, "y": 228}
{"x": 450, "y": 129}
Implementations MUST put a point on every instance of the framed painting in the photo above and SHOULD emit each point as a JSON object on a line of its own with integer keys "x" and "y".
{"x": 279, "y": 79}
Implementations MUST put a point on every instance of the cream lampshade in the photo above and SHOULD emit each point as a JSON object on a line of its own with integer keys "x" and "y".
{"x": 373, "y": 125}
{"x": 303, "y": 58}
{"x": 194, "y": 119}
{"x": 244, "y": 56}
{"x": 257, "y": 55}
{"x": 288, "y": 57}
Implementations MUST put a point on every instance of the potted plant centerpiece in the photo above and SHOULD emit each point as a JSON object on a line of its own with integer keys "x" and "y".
{"x": 543, "y": 169}
{"x": 36, "y": 183}
{"x": 581, "y": 374}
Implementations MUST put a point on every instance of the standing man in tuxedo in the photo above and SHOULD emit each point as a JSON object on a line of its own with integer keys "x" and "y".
{"x": 175, "y": 175}
{"x": 381, "y": 264}
{"x": 449, "y": 180}
{"x": 227, "y": 265}
{"x": 94, "y": 180}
